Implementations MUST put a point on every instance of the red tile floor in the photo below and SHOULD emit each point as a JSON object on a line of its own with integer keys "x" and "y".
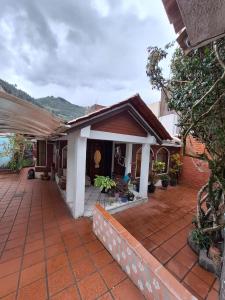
{"x": 46, "y": 254}
{"x": 162, "y": 225}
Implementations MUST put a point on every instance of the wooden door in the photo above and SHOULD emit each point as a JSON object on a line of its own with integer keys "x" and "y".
{"x": 103, "y": 167}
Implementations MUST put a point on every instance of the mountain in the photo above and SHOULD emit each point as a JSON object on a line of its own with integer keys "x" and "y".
{"x": 56, "y": 105}
{"x": 61, "y": 107}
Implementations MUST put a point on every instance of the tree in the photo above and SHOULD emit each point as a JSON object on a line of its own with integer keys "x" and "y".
{"x": 196, "y": 92}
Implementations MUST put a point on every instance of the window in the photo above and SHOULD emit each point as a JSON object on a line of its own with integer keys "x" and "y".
{"x": 41, "y": 153}
{"x": 64, "y": 157}
{"x": 163, "y": 156}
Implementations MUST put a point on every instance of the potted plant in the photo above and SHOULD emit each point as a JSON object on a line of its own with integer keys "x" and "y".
{"x": 105, "y": 183}
{"x": 130, "y": 195}
{"x": 159, "y": 167}
{"x": 165, "y": 180}
{"x": 173, "y": 176}
{"x": 152, "y": 182}
{"x": 175, "y": 168}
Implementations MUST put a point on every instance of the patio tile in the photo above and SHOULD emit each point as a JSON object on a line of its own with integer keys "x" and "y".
{"x": 205, "y": 276}
{"x": 10, "y": 266}
{"x": 8, "y": 284}
{"x": 56, "y": 262}
{"x": 33, "y": 258}
{"x": 60, "y": 280}
{"x": 112, "y": 274}
{"x": 11, "y": 254}
{"x": 83, "y": 268}
{"x": 11, "y": 296}
{"x": 69, "y": 293}
{"x": 126, "y": 290}
{"x": 33, "y": 246}
{"x": 197, "y": 285}
{"x": 94, "y": 246}
{"x": 106, "y": 296}
{"x": 162, "y": 255}
{"x": 35, "y": 291}
{"x": 101, "y": 258}
{"x": 216, "y": 285}
{"x": 149, "y": 244}
{"x": 96, "y": 287}
{"x": 32, "y": 273}
{"x": 176, "y": 268}
{"x": 55, "y": 250}
{"x": 77, "y": 254}
{"x": 213, "y": 295}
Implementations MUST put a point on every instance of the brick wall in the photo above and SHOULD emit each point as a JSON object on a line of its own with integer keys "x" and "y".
{"x": 195, "y": 172}
{"x": 146, "y": 272}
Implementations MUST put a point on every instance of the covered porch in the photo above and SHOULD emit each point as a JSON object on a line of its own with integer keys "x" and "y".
{"x": 115, "y": 161}
{"x": 101, "y": 143}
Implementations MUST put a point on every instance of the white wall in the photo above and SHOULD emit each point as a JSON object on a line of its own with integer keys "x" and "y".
{"x": 169, "y": 122}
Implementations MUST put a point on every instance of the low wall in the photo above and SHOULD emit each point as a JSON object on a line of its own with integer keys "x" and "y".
{"x": 153, "y": 280}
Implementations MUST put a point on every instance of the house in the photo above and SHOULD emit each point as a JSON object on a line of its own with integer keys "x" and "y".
{"x": 195, "y": 170}
{"x": 126, "y": 137}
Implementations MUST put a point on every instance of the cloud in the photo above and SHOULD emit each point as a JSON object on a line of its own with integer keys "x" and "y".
{"x": 85, "y": 51}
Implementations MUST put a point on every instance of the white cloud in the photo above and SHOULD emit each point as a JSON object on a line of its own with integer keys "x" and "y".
{"x": 84, "y": 51}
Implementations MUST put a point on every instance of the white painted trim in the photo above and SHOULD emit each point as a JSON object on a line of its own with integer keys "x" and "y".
{"x": 117, "y": 137}
{"x": 65, "y": 147}
{"x": 113, "y": 154}
{"x": 145, "y": 161}
{"x": 128, "y": 158}
{"x": 168, "y": 162}
{"x": 85, "y": 131}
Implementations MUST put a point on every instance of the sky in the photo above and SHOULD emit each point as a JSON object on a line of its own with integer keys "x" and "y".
{"x": 86, "y": 51}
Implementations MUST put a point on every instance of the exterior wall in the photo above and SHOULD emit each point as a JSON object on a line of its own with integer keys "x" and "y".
{"x": 170, "y": 123}
{"x": 122, "y": 123}
{"x": 155, "y": 108}
{"x": 195, "y": 172}
{"x": 154, "y": 149}
{"x": 153, "y": 280}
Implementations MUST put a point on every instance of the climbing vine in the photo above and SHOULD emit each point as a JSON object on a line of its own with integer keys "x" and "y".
{"x": 196, "y": 91}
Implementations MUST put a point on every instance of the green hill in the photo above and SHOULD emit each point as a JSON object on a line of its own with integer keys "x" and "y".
{"x": 58, "y": 106}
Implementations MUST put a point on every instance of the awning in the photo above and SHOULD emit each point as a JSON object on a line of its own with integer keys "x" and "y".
{"x": 20, "y": 116}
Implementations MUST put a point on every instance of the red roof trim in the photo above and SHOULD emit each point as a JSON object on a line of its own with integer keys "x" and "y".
{"x": 139, "y": 106}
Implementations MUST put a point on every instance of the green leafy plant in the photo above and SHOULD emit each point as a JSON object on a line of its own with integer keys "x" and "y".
{"x": 159, "y": 167}
{"x": 164, "y": 177}
{"x": 201, "y": 239}
{"x": 104, "y": 183}
{"x": 196, "y": 91}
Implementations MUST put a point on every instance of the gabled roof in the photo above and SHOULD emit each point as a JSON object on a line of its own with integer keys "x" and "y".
{"x": 137, "y": 107}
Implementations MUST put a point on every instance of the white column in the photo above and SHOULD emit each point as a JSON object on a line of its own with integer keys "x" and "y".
{"x": 113, "y": 157}
{"x": 145, "y": 159}
{"x": 76, "y": 169}
{"x": 128, "y": 158}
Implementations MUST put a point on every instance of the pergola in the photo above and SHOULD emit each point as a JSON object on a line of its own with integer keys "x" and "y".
{"x": 20, "y": 116}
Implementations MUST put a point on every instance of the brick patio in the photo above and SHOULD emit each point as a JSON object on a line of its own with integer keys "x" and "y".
{"x": 46, "y": 254}
{"x": 162, "y": 225}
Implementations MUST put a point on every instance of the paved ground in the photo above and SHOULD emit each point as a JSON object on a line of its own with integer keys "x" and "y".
{"x": 45, "y": 254}
{"x": 162, "y": 226}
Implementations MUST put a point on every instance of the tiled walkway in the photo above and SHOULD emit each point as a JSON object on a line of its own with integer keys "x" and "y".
{"x": 162, "y": 225}
{"x": 46, "y": 254}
